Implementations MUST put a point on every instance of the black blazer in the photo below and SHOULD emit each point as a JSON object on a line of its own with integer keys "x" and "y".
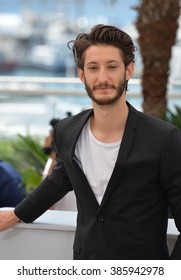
{"x": 131, "y": 222}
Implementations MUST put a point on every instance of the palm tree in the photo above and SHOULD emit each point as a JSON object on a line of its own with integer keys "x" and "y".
{"x": 157, "y": 24}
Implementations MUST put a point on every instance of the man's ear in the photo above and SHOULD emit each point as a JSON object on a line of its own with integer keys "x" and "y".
{"x": 129, "y": 71}
{"x": 80, "y": 73}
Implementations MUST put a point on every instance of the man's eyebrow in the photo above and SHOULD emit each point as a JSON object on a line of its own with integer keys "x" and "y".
{"x": 109, "y": 61}
{"x": 91, "y": 62}
{"x": 113, "y": 61}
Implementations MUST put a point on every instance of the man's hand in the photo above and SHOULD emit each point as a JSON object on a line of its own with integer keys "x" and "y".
{"x": 7, "y": 219}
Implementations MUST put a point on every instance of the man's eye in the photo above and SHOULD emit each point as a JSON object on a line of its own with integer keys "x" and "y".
{"x": 92, "y": 68}
{"x": 112, "y": 67}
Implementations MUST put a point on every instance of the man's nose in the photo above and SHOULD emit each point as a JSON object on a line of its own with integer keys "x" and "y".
{"x": 102, "y": 75}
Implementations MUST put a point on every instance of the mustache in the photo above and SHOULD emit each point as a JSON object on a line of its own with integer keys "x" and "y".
{"x": 106, "y": 85}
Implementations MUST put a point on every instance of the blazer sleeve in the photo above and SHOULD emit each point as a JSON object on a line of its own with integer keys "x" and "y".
{"x": 50, "y": 190}
{"x": 171, "y": 181}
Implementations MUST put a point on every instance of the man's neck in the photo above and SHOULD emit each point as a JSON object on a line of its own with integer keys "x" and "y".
{"x": 108, "y": 122}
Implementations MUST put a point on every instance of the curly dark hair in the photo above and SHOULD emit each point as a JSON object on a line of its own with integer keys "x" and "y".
{"x": 103, "y": 34}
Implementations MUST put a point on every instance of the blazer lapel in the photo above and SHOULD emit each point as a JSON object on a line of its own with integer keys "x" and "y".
{"x": 126, "y": 144}
{"x": 83, "y": 185}
{"x": 67, "y": 133}
{"x": 86, "y": 194}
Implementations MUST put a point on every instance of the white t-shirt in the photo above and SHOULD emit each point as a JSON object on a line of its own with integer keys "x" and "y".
{"x": 97, "y": 160}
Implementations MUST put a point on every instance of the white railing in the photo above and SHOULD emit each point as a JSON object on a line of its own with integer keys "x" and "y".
{"x": 50, "y": 237}
{"x": 57, "y": 86}
{"x": 37, "y": 86}
{"x": 28, "y": 103}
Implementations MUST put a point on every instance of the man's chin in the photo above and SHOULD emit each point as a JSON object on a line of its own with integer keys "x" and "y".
{"x": 105, "y": 102}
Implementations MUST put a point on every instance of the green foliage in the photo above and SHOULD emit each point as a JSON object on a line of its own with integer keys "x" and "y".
{"x": 174, "y": 117}
{"x": 26, "y": 155}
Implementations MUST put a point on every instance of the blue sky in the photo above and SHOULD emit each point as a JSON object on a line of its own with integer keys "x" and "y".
{"x": 119, "y": 12}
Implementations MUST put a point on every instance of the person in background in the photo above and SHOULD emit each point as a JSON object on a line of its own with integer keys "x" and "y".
{"x": 49, "y": 149}
{"x": 68, "y": 202}
{"x": 12, "y": 189}
{"x": 123, "y": 165}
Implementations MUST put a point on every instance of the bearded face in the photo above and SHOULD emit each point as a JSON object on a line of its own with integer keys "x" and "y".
{"x": 105, "y": 93}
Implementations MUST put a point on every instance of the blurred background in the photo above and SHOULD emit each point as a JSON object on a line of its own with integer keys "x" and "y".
{"x": 33, "y": 43}
{"x": 34, "y": 34}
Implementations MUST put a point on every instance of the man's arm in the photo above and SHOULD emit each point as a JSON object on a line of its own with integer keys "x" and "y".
{"x": 7, "y": 219}
{"x": 50, "y": 190}
{"x": 171, "y": 180}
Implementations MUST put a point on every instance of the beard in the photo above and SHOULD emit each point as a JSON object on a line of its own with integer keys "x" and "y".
{"x": 107, "y": 100}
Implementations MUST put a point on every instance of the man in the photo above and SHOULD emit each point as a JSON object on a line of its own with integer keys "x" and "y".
{"x": 123, "y": 165}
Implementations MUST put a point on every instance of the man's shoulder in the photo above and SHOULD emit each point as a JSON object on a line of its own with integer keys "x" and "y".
{"x": 155, "y": 121}
{"x": 68, "y": 129}
{"x": 81, "y": 117}
{"x": 146, "y": 122}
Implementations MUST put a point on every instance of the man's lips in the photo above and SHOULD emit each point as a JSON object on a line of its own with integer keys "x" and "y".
{"x": 103, "y": 87}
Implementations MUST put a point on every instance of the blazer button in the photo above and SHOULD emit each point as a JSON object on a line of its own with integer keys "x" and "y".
{"x": 100, "y": 218}
{"x": 93, "y": 256}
